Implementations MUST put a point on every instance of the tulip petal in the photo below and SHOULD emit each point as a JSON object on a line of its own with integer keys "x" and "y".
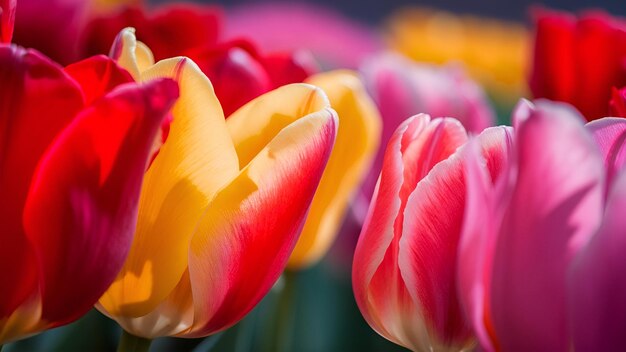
{"x": 430, "y": 237}
{"x": 81, "y": 209}
{"x": 7, "y": 20}
{"x": 610, "y": 136}
{"x": 483, "y": 169}
{"x": 244, "y": 240}
{"x": 254, "y": 125}
{"x": 130, "y": 53}
{"x": 37, "y": 101}
{"x": 357, "y": 141}
{"x": 596, "y": 281}
{"x": 417, "y": 146}
{"x": 196, "y": 161}
{"x": 555, "y": 205}
{"x": 235, "y": 72}
{"x": 617, "y": 105}
{"x": 97, "y": 76}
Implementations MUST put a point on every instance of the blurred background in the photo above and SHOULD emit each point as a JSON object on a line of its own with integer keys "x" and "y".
{"x": 314, "y": 309}
{"x": 374, "y": 11}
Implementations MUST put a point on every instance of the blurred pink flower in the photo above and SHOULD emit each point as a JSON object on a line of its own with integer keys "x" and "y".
{"x": 334, "y": 40}
{"x": 402, "y": 88}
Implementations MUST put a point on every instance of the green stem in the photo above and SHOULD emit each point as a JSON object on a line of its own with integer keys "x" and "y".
{"x": 132, "y": 343}
{"x": 285, "y": 312}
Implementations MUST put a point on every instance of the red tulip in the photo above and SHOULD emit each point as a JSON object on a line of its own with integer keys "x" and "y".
{"x": 74, "y": 148}
{"x": 579, "y": 60}
{"x": 404, "y": 272}
{"x": 540, "y": 261}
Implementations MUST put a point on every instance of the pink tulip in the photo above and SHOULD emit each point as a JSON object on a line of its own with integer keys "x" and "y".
{"x": 335, "y": 40}
{"x": 405, "y": 261}
{"x": 539, "y": 265}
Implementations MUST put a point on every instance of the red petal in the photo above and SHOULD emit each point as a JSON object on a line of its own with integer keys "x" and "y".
{"x": 617, "y": 105}
{"x": 235, "y": 72}
{"x": 82, "y": 206}
{"x": 7, "y": 20}
{"x": 37, "y": 101}
{"x": 97, "y": 76}
{"x": 285, "y": 68}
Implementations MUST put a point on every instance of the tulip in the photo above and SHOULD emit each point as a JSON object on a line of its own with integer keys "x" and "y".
{"x": 75, "y": 145}
{"x": 357, "y": 141}
{"x": 404, "y": 270}
{"x": 540, "y": 260}
{"x": 578, "y": 60}
{"x": 495, "y": 52}
{"x": 222, "y": 203}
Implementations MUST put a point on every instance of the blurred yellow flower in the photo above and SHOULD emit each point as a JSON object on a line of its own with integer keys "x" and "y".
{"x": 495, "y": 52}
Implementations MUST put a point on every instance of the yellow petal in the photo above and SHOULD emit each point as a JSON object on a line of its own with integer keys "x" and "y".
{"x": 254, "y": 125}
{"x": 196, "y": 161}
{"x": 357, "y": 141}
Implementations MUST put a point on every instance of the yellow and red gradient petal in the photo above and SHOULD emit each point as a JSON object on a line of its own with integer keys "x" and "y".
{"x": 196, "y": 161}
{"x": 244, "y": 239}
{"x": 358, "y": 137}
{"x": 81, "y": 209}
{"x": 38, "y": 101}
{"x": 254, "y": 125}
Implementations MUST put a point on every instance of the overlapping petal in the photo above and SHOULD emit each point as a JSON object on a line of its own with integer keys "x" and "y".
{"x": 610, "y": 135}
{"x": 80, "y": 214}
{"x": 357, "y": 140}
{"x": 383, "y": 290}
{"x": 32, "y": 114}
{"x": 247, "y": 226}
{"x": 198, "y": 160}
{"x": 213, "y": 202}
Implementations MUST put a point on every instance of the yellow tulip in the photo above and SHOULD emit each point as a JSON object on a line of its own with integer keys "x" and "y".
{"x": 495, "y": 52}
{"x": 222, "y": 203}
{"x": 358, "y": 137}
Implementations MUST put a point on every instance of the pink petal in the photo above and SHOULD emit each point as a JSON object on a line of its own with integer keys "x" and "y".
{"x": 379, "y": 286}
{"x": 610, "y": 135}
{"x": 483, "y": 169}
{"x": 555, "y": 205}
{"x": 597, "y": 285}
